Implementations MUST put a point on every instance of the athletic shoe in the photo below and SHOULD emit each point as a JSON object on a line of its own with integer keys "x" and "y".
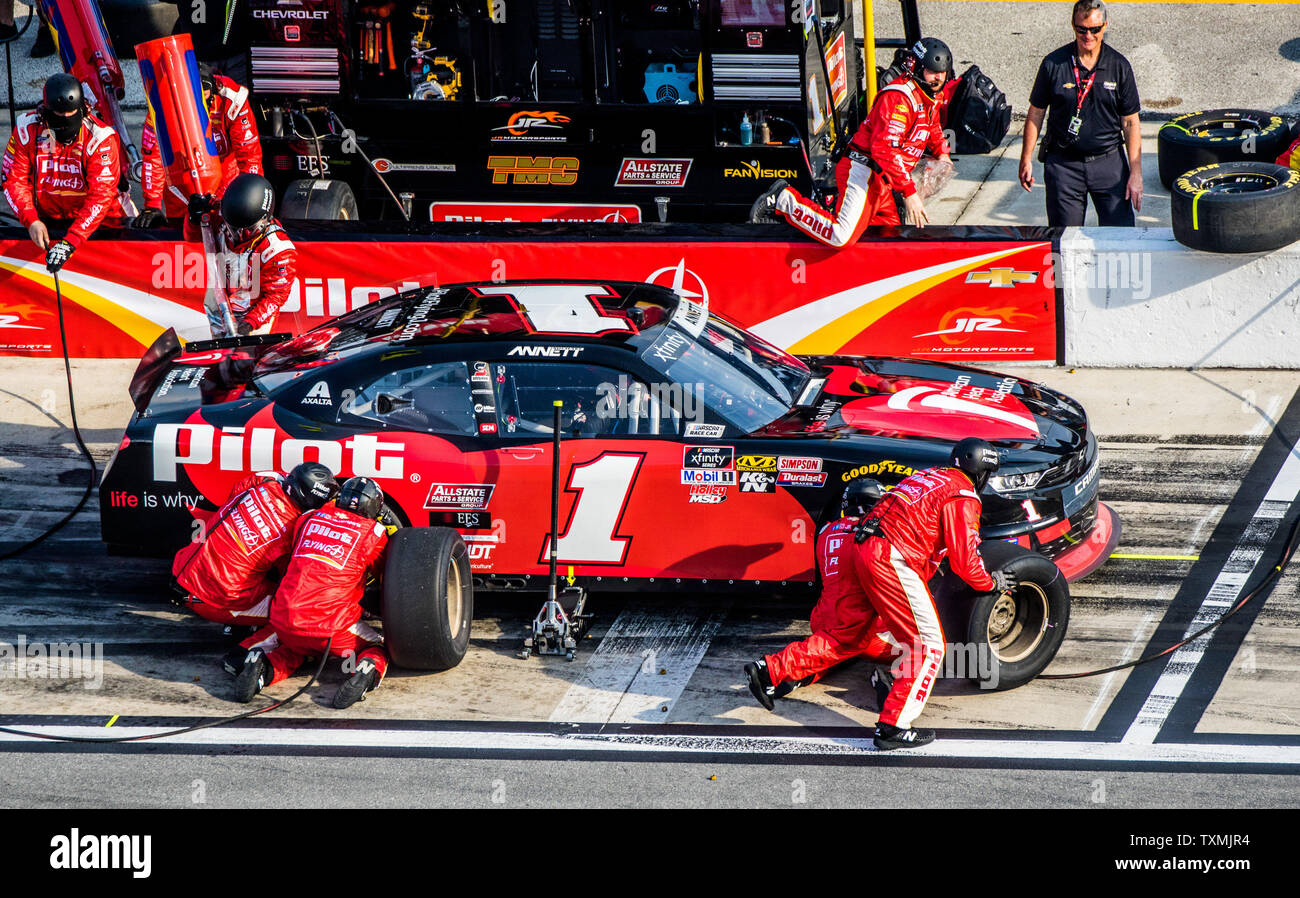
{"x": 764, "y": 208}
{"x": 354, "y": 690}
{"x": 254, "y": 676}
{"x": 43, "y": 46}
{"x": 882, "y": 681}
{"x": 889, "y": 737}
{"x": 232, "y": 662}
{"x": 760, "y": 683}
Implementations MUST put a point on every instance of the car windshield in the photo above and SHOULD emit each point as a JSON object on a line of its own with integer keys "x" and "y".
{"x": 746, "y": 380}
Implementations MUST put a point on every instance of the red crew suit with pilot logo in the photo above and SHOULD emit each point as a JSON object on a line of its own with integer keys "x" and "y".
{"x": 231, "y": 575}
{"x": 902, "y": 125}
{"x": 234, "y": 132}
{"x": 930, "y": 515}
{"x": 49, "y": 181}
{"x": 320, "y": 596}
{"x": 258, "y": 272}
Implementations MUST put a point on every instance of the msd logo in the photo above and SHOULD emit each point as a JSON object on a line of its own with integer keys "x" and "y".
{"x": 255, "y": 449}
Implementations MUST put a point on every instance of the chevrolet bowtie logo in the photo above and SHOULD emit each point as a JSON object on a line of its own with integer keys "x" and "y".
{"x": 1001, "y": 277}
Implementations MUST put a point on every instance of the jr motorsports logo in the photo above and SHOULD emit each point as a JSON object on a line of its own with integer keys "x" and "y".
{"x": 755, "y": 172}
{"x": 533, "y": 124}
{"x": 958, "y": 326}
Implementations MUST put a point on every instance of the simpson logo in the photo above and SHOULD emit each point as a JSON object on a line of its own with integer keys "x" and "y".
{"x": 756, "y": 463}
{"x": 757, "y": 482}
{"x": 798, "y": 463}
{"x": 801, "y": 478}
{"x": 459, "y": 497}
{"x": 635, "y": 172}
{"x": 257, "y": 449}
{"x": 707, "y": 431}
{"x": 696, "y": 476}
{"x": 560, "y": 171}
{"x": 754, "y": 171}
{"x": 708, "y": 456}
{"x": 707, "y": 495}
{"x": 526, "y": 125}
{"x": 888, "y": 466}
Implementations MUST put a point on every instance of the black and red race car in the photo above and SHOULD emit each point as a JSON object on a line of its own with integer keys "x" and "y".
{"x": 693, "y": 452}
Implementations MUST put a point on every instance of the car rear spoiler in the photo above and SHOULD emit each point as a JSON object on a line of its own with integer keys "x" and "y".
{"x": 168, "y": 347}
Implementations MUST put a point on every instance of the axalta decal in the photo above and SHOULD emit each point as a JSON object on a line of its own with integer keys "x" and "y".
{"x": 888, "y": 466}
{"x": 533, "y": 124}
{"x": 757, "y": 172}
{"x": 559, "y": 171}
{"x": 257, "y": 449}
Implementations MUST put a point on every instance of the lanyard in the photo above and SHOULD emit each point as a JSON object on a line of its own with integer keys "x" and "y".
{"x": 1082, "y": 94}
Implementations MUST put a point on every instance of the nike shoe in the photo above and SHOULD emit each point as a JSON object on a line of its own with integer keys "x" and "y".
{"x": 254, "y": 676}
{"x": 882, "y": 681}
{"x": 354, "y": 690}
{"x": 889, "y": 737}
{"x": 764, "y": 208}
{"x": 232, "y": 662}
{"x": 761, "y": 684}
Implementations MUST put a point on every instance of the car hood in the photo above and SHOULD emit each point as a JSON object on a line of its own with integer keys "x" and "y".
{"x": 931, "y": 401}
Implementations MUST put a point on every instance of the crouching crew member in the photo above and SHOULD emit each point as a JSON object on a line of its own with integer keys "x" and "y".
{"x": 874, "y": 178}
{"x": 318, "y": 603}
{"x": 876, "y": 572}
{"x": 61, "y": 168}
{"x": 230, "y": 576}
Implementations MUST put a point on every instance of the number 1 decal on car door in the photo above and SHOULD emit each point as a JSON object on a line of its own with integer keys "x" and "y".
{"x": 604, "y": 486}
{"x": 562, "y": 308}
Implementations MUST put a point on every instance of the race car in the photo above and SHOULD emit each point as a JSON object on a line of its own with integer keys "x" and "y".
{"x": 692, "y": 452}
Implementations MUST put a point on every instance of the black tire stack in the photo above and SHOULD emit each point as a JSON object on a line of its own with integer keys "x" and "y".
{"x": 313, "y": 199}
{"x": 1195, "y": 139}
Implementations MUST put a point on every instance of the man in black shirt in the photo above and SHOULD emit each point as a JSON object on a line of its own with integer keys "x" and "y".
{"x": 1093, "y": 144}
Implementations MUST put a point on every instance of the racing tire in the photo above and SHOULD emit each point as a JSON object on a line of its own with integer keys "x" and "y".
{"x": 307, "y": 200}
{"x": 131, "y": 22}
{"x": 1195, "y": 139}
{"x": 428, "y": 598}
{"x": 1015, "y": 637}
{"x": 1237, "y": 207}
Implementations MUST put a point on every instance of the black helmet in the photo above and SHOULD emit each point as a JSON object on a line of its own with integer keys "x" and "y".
{"x": 207, "y": 77}
{"x": 310, "y": 485}
{"x": 247, "y": 201}
{"x": 930, "y": 55}
{"x": 361, "y": 495}
{"x": 977, "y": 458}
{"x": 860, "y": 495}
{"x": 63, "y": 106}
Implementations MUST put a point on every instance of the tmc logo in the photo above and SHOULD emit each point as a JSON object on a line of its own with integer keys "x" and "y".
{"x": 558, "y": 170}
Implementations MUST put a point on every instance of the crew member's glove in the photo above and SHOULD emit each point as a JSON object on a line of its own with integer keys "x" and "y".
{"x": 200, "y": 204}
{"x": 243, "y": 328}
{"x": 1004, "y": 581}
{"x": 58, "y": 254}
{"x": 149, "y": 218}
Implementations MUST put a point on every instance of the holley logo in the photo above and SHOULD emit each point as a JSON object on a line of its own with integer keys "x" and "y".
{"x": 256, "y": 449}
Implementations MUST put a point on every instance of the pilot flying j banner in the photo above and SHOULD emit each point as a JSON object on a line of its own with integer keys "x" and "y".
{"x": 966, "y": 300}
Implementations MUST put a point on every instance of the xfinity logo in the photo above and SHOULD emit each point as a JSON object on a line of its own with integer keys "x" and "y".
{"x": 255, "y": 449}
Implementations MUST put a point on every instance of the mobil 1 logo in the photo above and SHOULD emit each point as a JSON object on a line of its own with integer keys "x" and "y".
{"x": 757, "y": 482}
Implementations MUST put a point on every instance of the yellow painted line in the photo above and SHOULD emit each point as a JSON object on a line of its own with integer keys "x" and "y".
{"x": 1158, "y": 557}
{"x": 111, "y": 722}
{"x": 1196, "y": 198}
{"x": 830, "y": 337}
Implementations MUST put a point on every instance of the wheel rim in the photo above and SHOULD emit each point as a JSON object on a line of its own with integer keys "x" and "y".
{"x": 1225, "y": 128}
{"x": 1018, "y": 623}
{"x": 455, "y": 601}
{"x": 1240, "y": 183}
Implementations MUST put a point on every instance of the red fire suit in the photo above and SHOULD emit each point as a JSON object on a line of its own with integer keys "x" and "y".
{"x": 232, "y": 574}
{"x": 902, "y": 125}
{"x": 929, "y": 515}
{"x": 257, "y": 273}
{"x": 1291, "y": 156}
{"x": 46, "y": 180}
{"x": 320, "y": 595}
{"x": 233, "y": 131}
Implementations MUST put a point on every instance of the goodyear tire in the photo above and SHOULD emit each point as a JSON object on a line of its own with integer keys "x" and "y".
{"x": 1219, "y": 135}
{"x": 1237, "y": 207}
{"x": 1008, "y": 640}
{"x": 317, "y": 199}
{"x": 428, "y": 598}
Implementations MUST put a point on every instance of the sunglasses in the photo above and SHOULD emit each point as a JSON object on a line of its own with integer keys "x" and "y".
{"x": 1085, "y": 29}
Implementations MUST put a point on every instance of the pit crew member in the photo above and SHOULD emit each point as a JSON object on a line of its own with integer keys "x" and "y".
{"x": 874, "y": 178}
{"x": 230, "y": 575}
{"x": 258, "y": 260}
{"x": 233, "y": 131}
{"x": 318, "y": 603}
{"x": 61, "y": 167}
{"x": 875, "y": 572}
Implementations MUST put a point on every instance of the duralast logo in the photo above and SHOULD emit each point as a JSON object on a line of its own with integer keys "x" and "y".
{"x": 526, "y": 123}
{"x": 89, "y": 852}
{"x": 561, "y": 171}
{"x": 255, "y": 449}
{"x": 888, "y": 466}
{"x": 756, "y": 171}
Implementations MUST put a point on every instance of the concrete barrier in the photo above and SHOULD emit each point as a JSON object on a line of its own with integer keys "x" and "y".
{"x": 1137, "y": 297}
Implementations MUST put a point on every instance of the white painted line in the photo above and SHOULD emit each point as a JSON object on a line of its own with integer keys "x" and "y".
{"x": 1226, "y": 589}
{"x": 1139, "y": 633}
{"x": 622, "y": 683}
{"x": 594, "y": 744}
{"x": 1267, "y": 419}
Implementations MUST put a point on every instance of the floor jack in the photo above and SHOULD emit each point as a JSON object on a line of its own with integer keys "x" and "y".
{"x": 562, "y": 620}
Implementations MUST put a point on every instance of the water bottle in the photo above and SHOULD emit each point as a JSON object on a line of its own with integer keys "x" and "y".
{"x": 746, "y": 131}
